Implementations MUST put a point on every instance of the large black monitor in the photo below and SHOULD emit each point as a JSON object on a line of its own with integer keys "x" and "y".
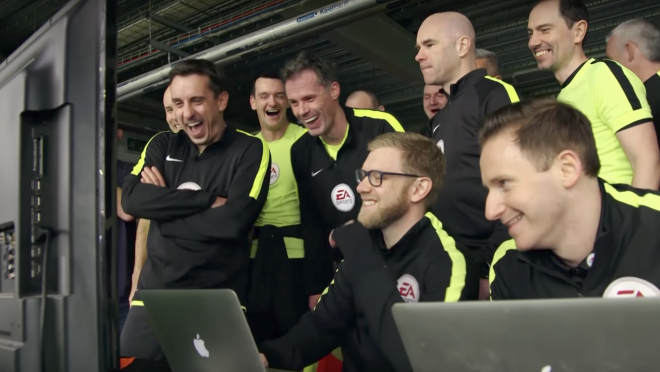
{"x": 57, "y": 144}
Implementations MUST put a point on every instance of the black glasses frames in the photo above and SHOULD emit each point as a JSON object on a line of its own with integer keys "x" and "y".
{"x": 375, "y": 177}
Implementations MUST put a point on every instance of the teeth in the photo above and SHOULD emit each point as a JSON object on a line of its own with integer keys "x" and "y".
{"x": 194, "y": 124}
{"x": 368, "y": 202}
{"x": 311, "y": 119}
{"x": 272, "y": 111}
{"x": 514, "y": 220}
{"x": 541, "y": 53}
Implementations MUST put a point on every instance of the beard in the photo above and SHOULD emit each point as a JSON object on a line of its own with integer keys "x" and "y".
{"x": 385, "y": 214}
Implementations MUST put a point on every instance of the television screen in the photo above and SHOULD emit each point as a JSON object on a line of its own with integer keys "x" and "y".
{"x": 57, "y": 99}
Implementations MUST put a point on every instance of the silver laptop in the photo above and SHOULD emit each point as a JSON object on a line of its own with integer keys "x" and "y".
{"x": 576, "y": 335}
{"x": 202, "y": 330}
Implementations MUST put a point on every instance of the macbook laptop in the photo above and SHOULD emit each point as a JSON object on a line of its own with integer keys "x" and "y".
{"x": 202, "y": 330}
{"x": 568, "y": 335}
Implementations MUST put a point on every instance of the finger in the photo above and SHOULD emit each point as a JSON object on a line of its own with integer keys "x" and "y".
{"x": 148, "y": 176}
{"x": 159, "y": 177}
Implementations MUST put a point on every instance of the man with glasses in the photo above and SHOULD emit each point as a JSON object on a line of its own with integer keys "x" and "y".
{"x": 396, "y": 252}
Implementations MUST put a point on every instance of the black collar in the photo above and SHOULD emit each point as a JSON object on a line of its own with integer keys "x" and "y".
{"x": 570, "y": 78}
{"x": 227, "y": 136}
{"x": 602, "y": 252}
{"x": 406, "y": 243}
{"x": 352, "y": 122}
{"x": 467, "y": 81}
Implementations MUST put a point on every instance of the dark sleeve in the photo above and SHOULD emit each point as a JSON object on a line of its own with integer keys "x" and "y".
{"x": 318, "y": 253}
{"x": 318, "y": 332}
{"x": 245, "y": 199}
{"x": 154, "y": 202}
{"x": 503, "y": 95}
{"x": 390, "y": 123}
{"x": 498, "y": 283}
{"x": 444, "y": 280}
{"x": 427, "y": 129}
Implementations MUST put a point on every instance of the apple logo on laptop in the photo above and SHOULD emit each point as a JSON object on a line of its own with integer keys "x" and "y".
{"x": 199, "y": 346}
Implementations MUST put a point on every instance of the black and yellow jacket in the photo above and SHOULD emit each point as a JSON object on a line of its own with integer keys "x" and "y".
{"x": 189, "y": 244}
{"x": 327, "y": 186}
{"x": 355, "y": 310}
{"x": 462, "y": 200}
{"x": 625, "y": 260}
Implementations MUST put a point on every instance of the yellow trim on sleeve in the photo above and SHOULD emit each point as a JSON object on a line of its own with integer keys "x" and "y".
{"x": 499, "y": 253}
{"x": 140, "y": 164}
{"x": 382, "y": 115}
{"x": 649, "y": 200}
{"x": 263, "y": 166}
{"x": 510, "y": 90}
{"x": 458, "y": 265}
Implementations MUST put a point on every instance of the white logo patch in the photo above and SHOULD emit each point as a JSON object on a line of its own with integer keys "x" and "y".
{"x": 441, "y": 146}
{"x": 189, "y": 186}
{"x": 631, "y": 287}
{"x": 343, "y": 198}
{"x": 590, "y": 259}
{"x": 274, "y": 173}
{"x": 408, "y": 288}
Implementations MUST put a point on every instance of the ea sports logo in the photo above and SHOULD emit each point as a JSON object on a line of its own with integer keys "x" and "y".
{"x": 189, "y": 186}
{"x": 274, "y": 173}
{"x": 343, "y": 197}
{"x": 441, "y": 146}
{"x": 631, "y": 287}
{"x": 408, "y": 288}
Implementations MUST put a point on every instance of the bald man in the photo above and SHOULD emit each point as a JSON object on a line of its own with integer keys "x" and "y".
{"x": 636, "y": 45}
{"x": 434, "y": 100}
{"x": 169, "y": 111}
{"x": 364, "y": 99}
{"x": 446, "y": 56}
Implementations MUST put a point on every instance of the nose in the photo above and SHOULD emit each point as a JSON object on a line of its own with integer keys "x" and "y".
{"x": 188, "y": 112}
{"x": 534, "y": 41}
{"x": 420, "y": 56}
{"x": 494, "y": 206}
{"x": 303, "y": 110}
{"x": 271, "y": 101}
{"x": 364, "y": 186}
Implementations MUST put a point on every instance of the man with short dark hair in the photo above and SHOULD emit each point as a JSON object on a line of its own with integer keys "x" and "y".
{"x": 203, "y": 189}
{"x": 364, "y": 99}
{"x": 325, "y": 158}
{"x": 397, "y": 252}
{"x": 488, "y": 60}
{"x": 610, "y": 95}
{"x": 446, "y": 55}
{"x": 434, "y": 100}
{"x": 636, "y": 45}
{"x": 277, "y": 297}
{"x": 574, "y": 234}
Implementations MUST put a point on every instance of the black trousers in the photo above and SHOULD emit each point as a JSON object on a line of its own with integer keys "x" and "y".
{"x": 277, "y": 298}
{"x": 137, "y": 338}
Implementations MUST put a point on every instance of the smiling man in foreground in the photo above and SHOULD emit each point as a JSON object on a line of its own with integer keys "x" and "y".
{"x": 397, "y": 252}
{"x": 576, "y": 235}
{"x": 202, "y": 188}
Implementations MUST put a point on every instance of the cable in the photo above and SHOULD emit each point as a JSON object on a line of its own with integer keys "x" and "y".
{"x": 44, "y": 295}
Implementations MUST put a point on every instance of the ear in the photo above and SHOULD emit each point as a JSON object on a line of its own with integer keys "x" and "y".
{"x": 335, "y": 90}
{"x": 223, "y": 99}
{"x": 463, "y": 45}
{"x": 631, "y": 49}
{"x": 420, "y": 189}
{"x": 580, "y": 29}
{"x": 381, "y": 108}
{"x": 253, "y": 103}
{"x": 569, "y": 167}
